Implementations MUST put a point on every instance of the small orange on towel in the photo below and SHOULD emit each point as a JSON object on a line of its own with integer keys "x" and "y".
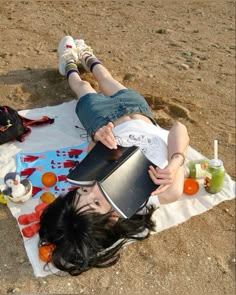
{"x": 191, "y": 186}
{"x": 45, "y": 252}
{"x": 47, "y": 197}
{"x": 49, "y": 179}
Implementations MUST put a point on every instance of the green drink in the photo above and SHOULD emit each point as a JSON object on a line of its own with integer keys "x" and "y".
{"x": 214, "y": 179}
{"x": 196, "y": 169}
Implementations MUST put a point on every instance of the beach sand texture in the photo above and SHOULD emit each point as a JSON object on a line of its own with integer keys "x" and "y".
{"x": 181, "y": 56}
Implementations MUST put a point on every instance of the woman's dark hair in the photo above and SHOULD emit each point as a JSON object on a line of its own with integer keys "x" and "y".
{"x": 84, "y": 239}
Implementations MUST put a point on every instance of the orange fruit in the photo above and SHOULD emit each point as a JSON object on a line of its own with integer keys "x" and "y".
{"x": 47, "y": 197}
{"x": 49, "y": 179}
{"x": 191, "y": 186}
{"x": 45, "y": 252}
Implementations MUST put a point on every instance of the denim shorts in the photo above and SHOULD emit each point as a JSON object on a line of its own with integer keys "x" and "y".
{"x": 96, "y": 110}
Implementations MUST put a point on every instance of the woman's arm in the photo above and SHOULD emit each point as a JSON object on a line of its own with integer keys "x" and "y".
{"x": 178, "y": 141}
{"x": 170, "y": 179}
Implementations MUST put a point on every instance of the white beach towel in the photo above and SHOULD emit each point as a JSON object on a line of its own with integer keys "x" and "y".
{"x": 67, "y": 131}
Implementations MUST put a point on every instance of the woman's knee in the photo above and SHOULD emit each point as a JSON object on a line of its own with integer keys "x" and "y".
{"x": 84, "y": 84}
{"x": 83, "y": 87}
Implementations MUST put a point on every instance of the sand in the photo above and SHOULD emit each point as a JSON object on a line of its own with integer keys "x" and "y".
{"x": 181, "y": 56}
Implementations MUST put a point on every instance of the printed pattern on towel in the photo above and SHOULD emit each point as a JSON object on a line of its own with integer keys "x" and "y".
{"x": 33, "y": 165}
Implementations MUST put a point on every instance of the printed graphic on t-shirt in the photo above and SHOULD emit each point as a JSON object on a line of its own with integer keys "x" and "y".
{"x": 152, "y": 147}
{"x": 151, "y": 139}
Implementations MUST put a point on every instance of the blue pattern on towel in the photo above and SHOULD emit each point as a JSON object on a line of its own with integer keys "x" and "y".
{"x": 33, "y": 165}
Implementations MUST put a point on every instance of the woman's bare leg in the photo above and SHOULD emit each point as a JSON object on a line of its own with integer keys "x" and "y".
{"x": 69, "y": 51}
{"x": 79, "y": 87}
{"x": 106, "y": 82}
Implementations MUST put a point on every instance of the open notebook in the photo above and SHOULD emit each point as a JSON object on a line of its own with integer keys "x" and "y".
{"x": 121, "y": 174}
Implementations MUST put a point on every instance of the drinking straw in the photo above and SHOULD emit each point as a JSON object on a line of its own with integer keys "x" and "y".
{"x": 216, "y": 149}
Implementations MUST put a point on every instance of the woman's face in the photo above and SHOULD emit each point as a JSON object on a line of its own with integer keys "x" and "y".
{"x": 92, "y": 197}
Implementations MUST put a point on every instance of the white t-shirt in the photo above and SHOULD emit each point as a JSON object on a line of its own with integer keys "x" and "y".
{"x": 150, "y": 138}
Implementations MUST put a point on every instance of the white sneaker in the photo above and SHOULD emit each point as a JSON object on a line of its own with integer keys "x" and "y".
{"x": 66, "y": 52}
{"x": 81, "y": 49}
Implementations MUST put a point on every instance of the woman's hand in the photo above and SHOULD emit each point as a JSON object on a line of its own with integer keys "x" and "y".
{"x": 164, "y": 177}
{"x": 106, "y": 136}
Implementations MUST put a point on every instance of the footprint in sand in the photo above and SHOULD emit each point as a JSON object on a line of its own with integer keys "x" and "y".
{"x": 177, "y": 111}
{"x": 166, "y": 112}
